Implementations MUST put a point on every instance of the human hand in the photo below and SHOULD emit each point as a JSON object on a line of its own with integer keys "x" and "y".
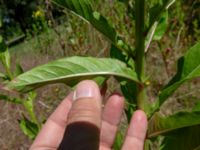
{"x": 79, "y": 123}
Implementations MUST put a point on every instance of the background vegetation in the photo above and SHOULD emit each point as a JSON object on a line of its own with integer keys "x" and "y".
{"x": 39, "y": 31}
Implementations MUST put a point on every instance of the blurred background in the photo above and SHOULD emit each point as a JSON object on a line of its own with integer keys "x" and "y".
{"x": 38, "y": 31}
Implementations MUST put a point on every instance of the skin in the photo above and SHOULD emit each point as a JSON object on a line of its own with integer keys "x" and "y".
{"x": 87, "y": 110}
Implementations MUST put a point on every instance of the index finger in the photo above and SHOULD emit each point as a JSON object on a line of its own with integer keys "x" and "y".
{"x": 52, "y": 132}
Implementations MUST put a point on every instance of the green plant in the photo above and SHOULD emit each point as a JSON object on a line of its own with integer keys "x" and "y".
{"x": 30, "y": 126}
{"x": 127, "y": 65}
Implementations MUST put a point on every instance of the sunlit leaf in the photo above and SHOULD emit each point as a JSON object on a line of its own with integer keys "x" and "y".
{"x": 158, "y": 21}
{"x": 84, "y": 9}
{"x": 5, "y": 58}
{"x": 28, "y": 104}
{"x": 157, "y": 10}
{"x": 188, "y": 69}
{"x": 161, "y": 27}
{"x": 29, "y": 128}
{"x": 71, "y": 71}
{"x": 162, "y": 124}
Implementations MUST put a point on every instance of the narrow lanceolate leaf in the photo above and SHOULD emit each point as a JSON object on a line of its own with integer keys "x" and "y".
{"x": 83, "y": 8}
{"x": 162, "y": 26}
{"x": 158, "y": 21}
{"x": 188, "y": 69}
{"x": 183, "y": 139}
{"x": 70, "y": 71}
{"x": 160, "y": 124}
{"x": 157, "y": 11}
{"x": 158, "y": 30}
{"x": 29, "y": 128}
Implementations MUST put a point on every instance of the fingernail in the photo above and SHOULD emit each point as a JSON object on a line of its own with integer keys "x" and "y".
{"x": 86, "y": 89}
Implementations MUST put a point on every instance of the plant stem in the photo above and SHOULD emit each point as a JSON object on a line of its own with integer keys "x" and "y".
{"x": 140, "y": 38}
{"x": 140, "y": 51}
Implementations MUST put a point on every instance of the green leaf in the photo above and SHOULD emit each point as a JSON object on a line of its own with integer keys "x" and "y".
{"x": 130, "y": 8}
{"x": 3, "y": 46}
{"x": 5, "y": 59}
{"x": 131, "y": 108}
{"x": 28, "y": 104}
{"x": 129, "y": 91}
{"x": 71, "y": 71}
{"x": 183, "y": 139}
{"x": 162, "y": 124}
{"x": 84, "y": 9}
{"x": 162, "y": 27}
{"x": 29, "y": 128}
{"x": 10, "y": 99}
{"x": 157, "y": 10}
{"x": 188, "y": 69}
{"x": 117, "y": 54}
{"x": 19, "y": 70}
{"x": 148, "y": 144}
{"x": 153, "y": 12}
{"x": 118, "y": 141}
{"x": 158, "y": 22}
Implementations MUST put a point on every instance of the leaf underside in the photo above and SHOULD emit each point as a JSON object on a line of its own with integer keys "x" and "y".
{"x": 70, "y": 71}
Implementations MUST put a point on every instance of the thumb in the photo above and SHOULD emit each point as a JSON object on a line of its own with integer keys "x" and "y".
{"x": 84, "y": 119}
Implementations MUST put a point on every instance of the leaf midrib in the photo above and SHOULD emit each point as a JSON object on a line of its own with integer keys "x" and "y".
{"x": 79, "y": 75}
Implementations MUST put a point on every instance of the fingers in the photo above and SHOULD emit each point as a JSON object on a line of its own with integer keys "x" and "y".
{"x": 52, "y": 132}
{"x": 76, "y": 123}
{"x": 137, "y": 132}
{"x": 84, "y": 119}
{"x": 110, "y": 119}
